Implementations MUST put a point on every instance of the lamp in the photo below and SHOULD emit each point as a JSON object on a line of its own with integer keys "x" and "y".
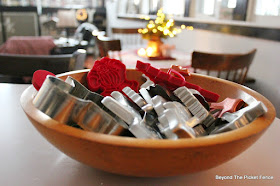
{"x": 67, "y": 20}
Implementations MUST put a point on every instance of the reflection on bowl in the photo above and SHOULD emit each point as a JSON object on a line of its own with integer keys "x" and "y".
{"x": 151, "y": 158}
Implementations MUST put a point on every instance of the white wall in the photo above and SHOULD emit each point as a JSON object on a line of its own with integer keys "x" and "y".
{"x": 113, "y": 21}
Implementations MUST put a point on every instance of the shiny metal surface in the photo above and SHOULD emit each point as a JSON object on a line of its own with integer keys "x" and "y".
{"x": 148, "y": 82}
{"x": 175, "y": 121}
{"x": 241, "y": 118}
{"x": 136, "y": 98}
{"x": 145, "y": 94}
{"x": 82, "y": 92}
{"x": 194, "y": 106}
{"x": 57, "y": 99}
{"x": 136, "y": 124}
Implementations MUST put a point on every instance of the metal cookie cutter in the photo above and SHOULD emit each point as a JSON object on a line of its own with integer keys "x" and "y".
{"x": 200, "y": 98}
{"x": 186, "y": 117}
{"x": 163, "y": 92}
{"x": 55, "y": 99}
{"x": 241, "y": 118}
{"x": 145, "y": 94}
{"x": 194, "y": 106}
{"x": 82, "y": 92}
{"x": 150, "y": 115}
{"x": 136, "y": 98}
{"x": 136, "y": 124}
{"x": 177, "y": 128}
{"x": 159, "y": 109}
{"x": 175, "y": 120}
{"x": 148, "y": 82}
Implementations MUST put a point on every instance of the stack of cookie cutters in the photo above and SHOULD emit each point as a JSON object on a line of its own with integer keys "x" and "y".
{"x": 202, "y": 122}
{"x": 229, "y": 111}
{"x": 137, "y": 124}
{"x": 175, "y": 120}
{"x": 171, "y": 119}
{"x": 205, "y": 119}
{"x": 241, "y": 117}
{"x": 171, "y": 116}
{"x": 71, "y": 103}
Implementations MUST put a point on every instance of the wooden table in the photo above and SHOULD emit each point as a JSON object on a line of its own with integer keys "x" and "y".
{"x": 130, "y": 57}
{"x": 28, "y": 159}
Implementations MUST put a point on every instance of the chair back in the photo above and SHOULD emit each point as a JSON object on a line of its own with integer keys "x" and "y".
{"x": 106, "y": 45}
{"x": 234, "y": 67}
{"x": 128, "y": 36}
{"x": 26, "y": 65}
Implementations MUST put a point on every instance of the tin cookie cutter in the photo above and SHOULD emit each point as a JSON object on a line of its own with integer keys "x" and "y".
{"x": 175, "y": 121}
{"x": 148, "y": 82}
{"x": 173, "y": 118}
{"x": 59, "y": 100}
{"x": 136, "y": 124}
{"x": 241, "y": 118}
{"x": 194, "y": 106}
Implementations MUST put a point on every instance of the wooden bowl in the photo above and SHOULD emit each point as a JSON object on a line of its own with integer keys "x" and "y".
{"x": 146, "y": 157}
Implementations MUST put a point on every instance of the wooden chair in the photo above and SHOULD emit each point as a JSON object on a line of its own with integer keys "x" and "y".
{"x": 106, "y": 44}
{"x": 14, "y": 65}
{"x": 128, "y": 36}
{"x": 234, "y": 67}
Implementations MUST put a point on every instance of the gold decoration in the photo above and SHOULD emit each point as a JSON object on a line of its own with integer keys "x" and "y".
{"x": 81, "y": 15}
{"x": 161, "y": 27}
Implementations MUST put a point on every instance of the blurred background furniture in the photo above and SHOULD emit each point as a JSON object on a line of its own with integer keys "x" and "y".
{"x": 129, "y": 37}
{"x": 67, "y": 21}
{"x": 106, "y": 44}
{"x": 48, "y": 25}
{"x": 84, "y": 32}
{"x": 232, "y": 67}
{"x": 19, "y": 21}
{"x": 14, "y": 67}
{"x": 99, "y": 18}
{"x": 67, "y": 46}
{"x": 28, "y": 45}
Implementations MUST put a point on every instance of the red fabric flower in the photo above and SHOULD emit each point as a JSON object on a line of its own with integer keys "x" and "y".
{"x": 108, "y": 75}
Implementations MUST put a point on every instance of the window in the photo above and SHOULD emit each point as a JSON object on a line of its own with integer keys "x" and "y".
{"x": 221, "y": 9}
{"x": 267, "y": 7}
{"x": 205, "y": 8}
{"x": 133, "y": 6}
{"x": 175, "y": 9}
